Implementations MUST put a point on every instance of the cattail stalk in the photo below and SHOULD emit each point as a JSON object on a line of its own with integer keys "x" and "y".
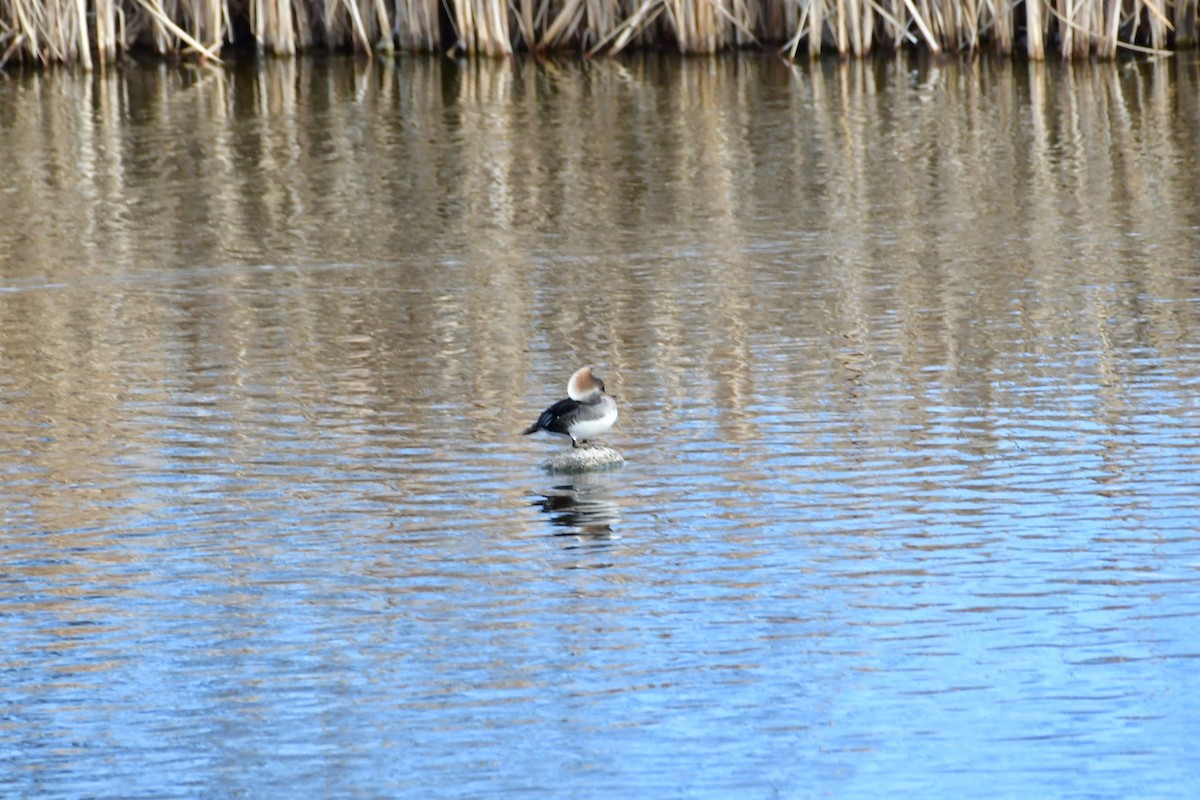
{"x": 1034, "y": 36}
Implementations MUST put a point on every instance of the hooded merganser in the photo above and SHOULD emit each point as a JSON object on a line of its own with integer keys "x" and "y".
{"x": 586, "y": 412}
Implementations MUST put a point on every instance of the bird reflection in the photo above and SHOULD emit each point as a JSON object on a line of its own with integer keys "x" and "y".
{"x": 583, "y": 503}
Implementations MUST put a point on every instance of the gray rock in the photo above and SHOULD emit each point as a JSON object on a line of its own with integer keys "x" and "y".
{"x": 584, "y": 459}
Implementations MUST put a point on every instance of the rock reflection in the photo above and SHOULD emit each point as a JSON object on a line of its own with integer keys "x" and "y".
{"x": 583, "y": 504}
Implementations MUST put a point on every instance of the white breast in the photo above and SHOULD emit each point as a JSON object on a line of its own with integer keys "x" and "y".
{"x": 586, "y": 429}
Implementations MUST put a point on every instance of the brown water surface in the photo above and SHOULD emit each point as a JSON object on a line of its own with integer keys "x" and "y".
{"x": 908, "y": 358}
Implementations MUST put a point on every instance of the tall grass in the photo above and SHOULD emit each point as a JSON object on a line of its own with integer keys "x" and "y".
{"x": 87, "y": 32}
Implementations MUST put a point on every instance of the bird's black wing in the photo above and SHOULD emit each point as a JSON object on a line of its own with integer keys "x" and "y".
{"x": 552, "y": 418}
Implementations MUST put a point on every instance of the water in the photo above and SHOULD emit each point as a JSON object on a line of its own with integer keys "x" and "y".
{"x": 907, "y": 358}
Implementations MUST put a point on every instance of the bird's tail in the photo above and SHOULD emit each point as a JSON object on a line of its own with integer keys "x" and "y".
{"x": 544, "y": 421}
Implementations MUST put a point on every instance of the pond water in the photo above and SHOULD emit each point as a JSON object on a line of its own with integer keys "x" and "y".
{"x": 908, "y": 359}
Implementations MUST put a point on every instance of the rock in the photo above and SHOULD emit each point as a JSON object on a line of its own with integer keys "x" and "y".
{"x": 584, "y": 459}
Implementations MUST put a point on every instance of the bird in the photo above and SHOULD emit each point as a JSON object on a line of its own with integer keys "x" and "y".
{"x": 587, "y": 410}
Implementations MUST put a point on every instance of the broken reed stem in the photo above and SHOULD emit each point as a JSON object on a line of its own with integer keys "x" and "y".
{"x": 90, "y": 31}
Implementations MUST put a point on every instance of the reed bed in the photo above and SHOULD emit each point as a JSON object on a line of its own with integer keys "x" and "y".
{"x": 90, "y": 32}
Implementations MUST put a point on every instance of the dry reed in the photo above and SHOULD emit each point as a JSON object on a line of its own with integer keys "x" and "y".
{"x": 98, "y": 31}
